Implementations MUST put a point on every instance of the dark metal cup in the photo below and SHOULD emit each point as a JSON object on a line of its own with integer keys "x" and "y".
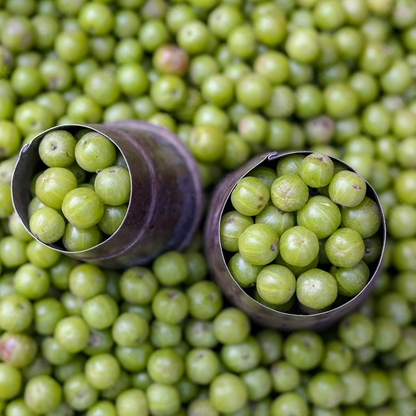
{"x": 166, "y": 201}
{"x": 217, "y": 259}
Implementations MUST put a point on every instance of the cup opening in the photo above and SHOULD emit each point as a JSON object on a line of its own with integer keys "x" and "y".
{"x": 297, "y": 310}
{"x": 21, "y": 195}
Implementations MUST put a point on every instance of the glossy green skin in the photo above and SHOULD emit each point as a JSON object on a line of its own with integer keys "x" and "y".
{"x": 356, "y": 330}
{"x": 304, "y": 350}
{"x": 53, "y": 185}
{"x": 94, "y": 152}
{"x": 227, "y": 393}
{"x": 73, "y": 387}
{"x": 287, "y": 403}
{"x": 86, "y": 281}
{"x": 265, "y": 174}
{"x": 80, "y": 239}
{"x": 31, "y": 281}
{"x": 131, "y": 402}
{"x": 278, "y": 220}
{"x": 326, "y": 390}
{"x": 316, "y": 170}
{"x": 170, "y": 268}
{"x": 365, "y": 218}
{"x": 276, "y": 284}
{"x": 345, "y": 248}
{"x": 113, "y": 185}
{"x": 258, "y": 244}
{"x": 297, "y": 271}
{"x": 163, "y": 399}
{"x": 299, "y": 246}
{"x": 289, "y": 193}
{"x": 102, "y": 371}
{"x": 289, "y": 165}
{"x": 250, "y": 196}
{"x": 165, "y": 366}
{"x": 170, "y": 305}
{"x": 205, "y": 300}
{"x": 232, "y": 225}
{"x": 243, "y": 272}
{"x": 83, "y": 208}
{"x": 17, "y": 349}
{"x": 347, "y": 189}
{"x": 138, "y": 285}
{"x": 16, "y": 313}
{"x": 285, "y": 377}
{"x": 320, "y": 215}
{"x": 43, "y": 394}
{"x": 57, "y": 149}
{"x": 316, "y": 289}
{"x": 130, "y": 330}
{"x": 72, "y": 334}
{"x": 231, "y": 326}
{"x": 112, "y": 218}
{"x": 352, "y": 281}
{"x": 100, "y": 311}
{"x": 241, "y": 357}
{"x": 47, "y": 225}
{"x": 10, "y": 381}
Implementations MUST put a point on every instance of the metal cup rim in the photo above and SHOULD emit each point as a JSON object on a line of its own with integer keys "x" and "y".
{"x": 271, "y": 156}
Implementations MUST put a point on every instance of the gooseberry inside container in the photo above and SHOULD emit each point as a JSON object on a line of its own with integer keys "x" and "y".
{"x": 298, "y": 316}
{"x": 165, "y": 204}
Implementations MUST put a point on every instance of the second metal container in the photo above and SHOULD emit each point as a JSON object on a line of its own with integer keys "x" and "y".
{"x": 217, "y": 261}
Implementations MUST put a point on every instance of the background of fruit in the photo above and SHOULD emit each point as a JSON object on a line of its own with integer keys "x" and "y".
{"x": 231, "y": 78}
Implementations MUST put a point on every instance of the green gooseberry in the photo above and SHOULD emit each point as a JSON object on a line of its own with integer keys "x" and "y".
{"x": 345, "y": 248}
{"x": 316, "y": 289}
{"x": 57, "y": 149}
{"x": 373, "y": 248}
{"x": 365, "y": 218}
{"x": 112, "y": 218}
{"x": 320, "y": 215}
{"x": 276, "y": 219}
{"x": 43, "y": 394}
{"x": 258, "y": 244}
{"x": 299, "y": 246}
{"x": 80, "y": 239}
{"x": 53, "y": 185}
{"x": 326, "y": 390}
{"x": 47, "y": 225}
{"x": 94, "y": 152}
{"x": 276, "y": 284}
{"x": 250, "y": 196}
{"x": 351, "y": 280}
{"x": 232, "y": 225}
{"x": 347, "y": 189}
{"x": 244, "y": 273}
{"x": 82, "y": 207}
{"x": 316, "y": 170}
{"x": 265, "y": 174}
{"x": 289, "y": 193}
{"x": 16, "y": 313}
{"x": 113, "y": 185}
{"x": 289, "y": 164}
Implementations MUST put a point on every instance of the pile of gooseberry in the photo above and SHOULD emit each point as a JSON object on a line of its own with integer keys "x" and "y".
{"x": 82, "y": 195}
{"x": 305, "y": 231}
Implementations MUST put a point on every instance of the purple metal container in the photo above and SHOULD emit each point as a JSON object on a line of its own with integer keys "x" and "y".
{"x": 166, "y": 201}
{"x": 217, "y": 259}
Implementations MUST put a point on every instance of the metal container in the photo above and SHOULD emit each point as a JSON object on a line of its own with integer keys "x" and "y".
{"x": 217, "y": 259}
{"x": 166, "y": 201}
